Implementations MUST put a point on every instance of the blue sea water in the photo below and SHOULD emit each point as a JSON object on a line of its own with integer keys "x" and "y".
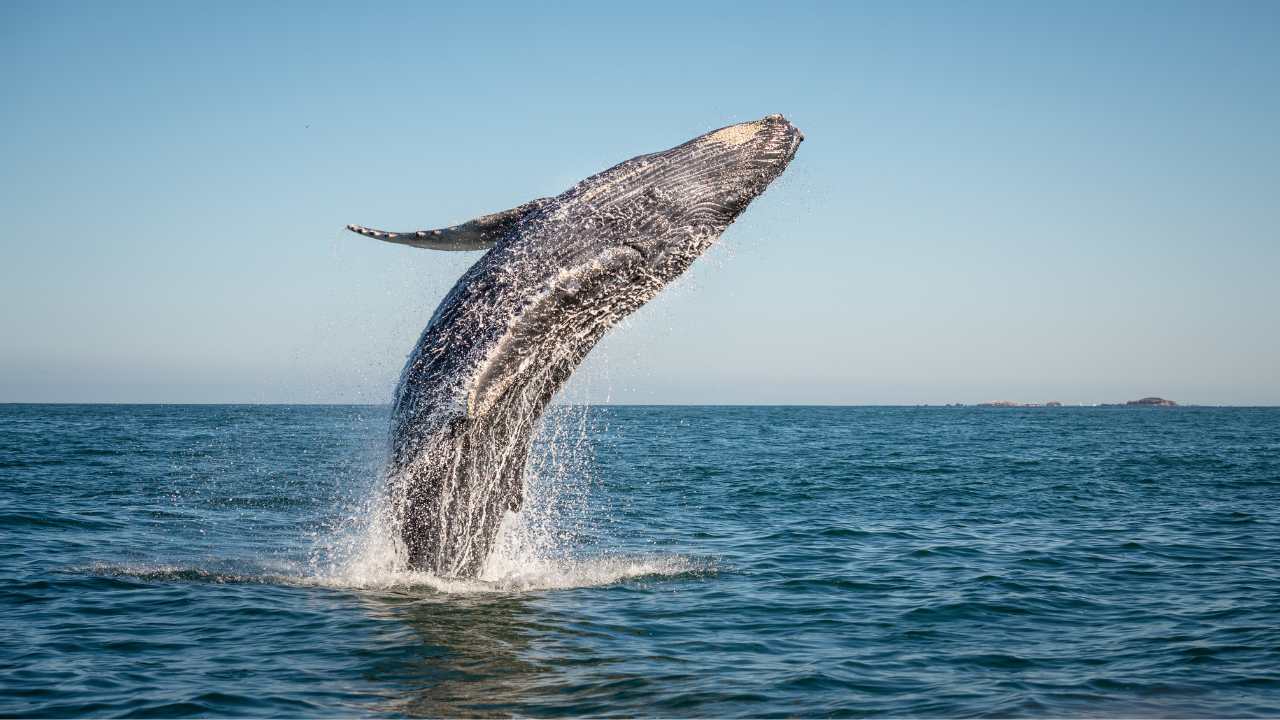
{"x": 671, "y": 561}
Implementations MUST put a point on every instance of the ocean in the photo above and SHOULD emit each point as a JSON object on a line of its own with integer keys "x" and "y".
{"x": 235, "y": 561}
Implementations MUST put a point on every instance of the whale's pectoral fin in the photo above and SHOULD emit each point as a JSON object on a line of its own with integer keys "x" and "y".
{"x": 479, "y": 234}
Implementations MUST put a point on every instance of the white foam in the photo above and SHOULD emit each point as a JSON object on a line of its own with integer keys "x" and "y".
{"x": 502, "y": 575}
{"x": 553, "y": 543}
{"x": 526, "y": 558}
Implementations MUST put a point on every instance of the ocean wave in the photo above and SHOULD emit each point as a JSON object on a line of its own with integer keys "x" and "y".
{"x": 501, "y": 576}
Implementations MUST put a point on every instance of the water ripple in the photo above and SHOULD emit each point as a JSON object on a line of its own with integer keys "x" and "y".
{"x": 761, "y": 562}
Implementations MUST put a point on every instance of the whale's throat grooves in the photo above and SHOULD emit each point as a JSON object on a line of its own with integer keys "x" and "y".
{"x": 512, "y": 330}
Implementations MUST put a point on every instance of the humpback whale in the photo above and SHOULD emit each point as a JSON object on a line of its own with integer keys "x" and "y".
{"x": 559, "y": 273}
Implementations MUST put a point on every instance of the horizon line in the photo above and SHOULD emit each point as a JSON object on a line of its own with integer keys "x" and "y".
{"x": 944, "y": 406}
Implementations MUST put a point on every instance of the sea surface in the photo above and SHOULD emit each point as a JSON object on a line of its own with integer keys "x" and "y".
{"x": 234, "y": 561}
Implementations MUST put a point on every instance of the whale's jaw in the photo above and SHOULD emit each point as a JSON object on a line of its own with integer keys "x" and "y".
{"x": 521, "y": 320}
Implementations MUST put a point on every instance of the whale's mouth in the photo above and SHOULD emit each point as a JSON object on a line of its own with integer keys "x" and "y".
{"x": 785, "y": 137}
{"x": 738, "y": 164}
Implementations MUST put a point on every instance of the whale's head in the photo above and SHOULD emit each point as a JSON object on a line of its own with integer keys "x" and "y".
{"x": 730, "y": 167}
{"x": 706, "y": 182}
{"x": 666, "y": 206}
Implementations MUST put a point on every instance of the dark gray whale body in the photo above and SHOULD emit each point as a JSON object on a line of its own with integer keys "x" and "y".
{"x": 505, "y": 339}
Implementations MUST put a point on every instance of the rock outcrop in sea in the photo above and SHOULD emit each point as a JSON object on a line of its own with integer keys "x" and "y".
{"x": 1145, "y": 402}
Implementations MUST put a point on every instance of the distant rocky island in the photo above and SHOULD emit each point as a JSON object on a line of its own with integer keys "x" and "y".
{"x": 1144, "y": 402}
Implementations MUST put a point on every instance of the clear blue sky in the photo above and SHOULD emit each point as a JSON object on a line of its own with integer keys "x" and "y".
{"x": 1025, "y": 201}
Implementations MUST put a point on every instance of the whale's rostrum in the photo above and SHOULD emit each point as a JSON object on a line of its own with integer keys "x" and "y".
{"x": 506, "y": 338}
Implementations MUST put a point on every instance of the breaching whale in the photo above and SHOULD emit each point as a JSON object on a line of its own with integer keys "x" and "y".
{"x": 506, "y": 338}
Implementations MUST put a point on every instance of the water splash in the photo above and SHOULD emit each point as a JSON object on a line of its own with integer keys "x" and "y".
{"x": 554, "y": 542}
{"x": 327, "y": 524}
{"x": 503, "y": 574}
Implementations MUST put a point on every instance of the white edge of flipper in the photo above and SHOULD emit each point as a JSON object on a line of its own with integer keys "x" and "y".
{"x": 478, "y": 234}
